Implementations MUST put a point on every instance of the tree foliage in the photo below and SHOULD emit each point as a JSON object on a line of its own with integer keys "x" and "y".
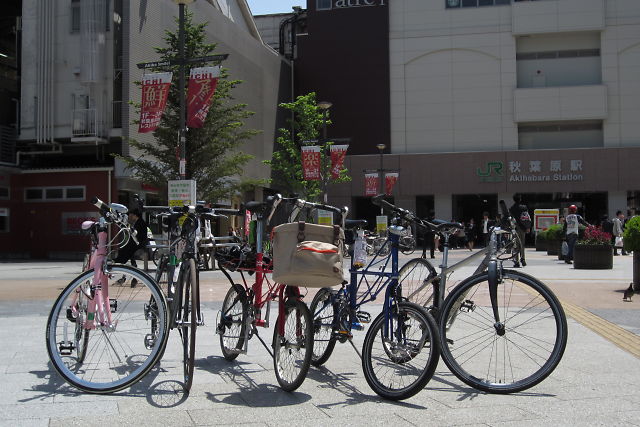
{"x": 306, "y": 128}
{"x": 214, "y": 157}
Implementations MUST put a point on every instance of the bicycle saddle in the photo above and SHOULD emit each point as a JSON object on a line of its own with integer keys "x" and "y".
{"x": 445, "y": 226}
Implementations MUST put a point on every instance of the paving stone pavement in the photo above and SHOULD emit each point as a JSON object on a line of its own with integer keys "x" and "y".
{"x": 596, "y": 383}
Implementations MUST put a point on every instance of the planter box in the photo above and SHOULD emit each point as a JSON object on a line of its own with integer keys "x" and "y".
{"x": 541, "y": 245}
{"x": 553, "y": 247}
{"x": 594, "y": 257}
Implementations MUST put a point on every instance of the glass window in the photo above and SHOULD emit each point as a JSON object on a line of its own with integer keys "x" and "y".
{"x": 499, "y": 2}
{"x": 323, "y": 4}
{"x": 75, "y": 193}
{"x": 33, "y": 194}
{"x": 4, "y": 192}
{"x": 75, "y": 16}
{"x": 53, "y": 193}
{"x": 469, "y": 3}
{"x": 453, "y": 3}
{"x": 485, "y": 3}
{"x": 4, "y": 220}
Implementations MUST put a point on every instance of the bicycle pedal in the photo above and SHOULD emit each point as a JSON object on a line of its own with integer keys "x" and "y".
{"x": 363, "y": 317}
{"x": 357, "y": 326}
{"x": 113, "y": 305}
{"x": 66, "y": 348}
{"x": 344, "y": 334}
{"x": 200, "y": 321}
{"x": 261, "y": 322}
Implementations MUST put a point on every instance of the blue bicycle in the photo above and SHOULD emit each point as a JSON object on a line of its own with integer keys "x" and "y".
{"x": 401, "y": 349}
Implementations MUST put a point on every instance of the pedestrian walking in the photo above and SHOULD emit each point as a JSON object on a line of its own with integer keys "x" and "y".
{"x": 129, "y": 250}
{"x": 571, "y": 231}
{"x": 485, "y": 227}
{"x": 520, "y": 212}
{"x": 470, "y": 231}
{"x": 618, "y": 231}
{"x": 429, "y": 238}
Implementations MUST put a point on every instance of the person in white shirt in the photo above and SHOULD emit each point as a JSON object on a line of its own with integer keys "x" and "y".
{"x": 618, "y": 230}
{"x": 571, "y": 229}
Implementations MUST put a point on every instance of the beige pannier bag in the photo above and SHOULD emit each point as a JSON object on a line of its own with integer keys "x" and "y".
{"x": 307, "y": 255}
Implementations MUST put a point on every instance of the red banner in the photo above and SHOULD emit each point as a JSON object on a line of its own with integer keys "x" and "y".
{"x": 338, "y": 152}
{"x": 202, "y": 86}
{"x": 389, "y": 181}
{"x": 311, "y": 163}
{"x": 155, "y": 91}
{"x": 370, "y": 184}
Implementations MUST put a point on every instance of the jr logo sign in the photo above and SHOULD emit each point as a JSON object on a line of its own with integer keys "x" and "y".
{"x": 491, "y": 173}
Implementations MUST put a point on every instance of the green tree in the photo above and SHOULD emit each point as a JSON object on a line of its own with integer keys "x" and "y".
{"x": 214, "y": 157}
{"x": 305, "y": 129}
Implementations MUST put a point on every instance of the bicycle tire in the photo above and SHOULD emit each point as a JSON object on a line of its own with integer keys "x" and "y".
{"x": 187, "y": 319}
{"x": 292, "y": 351}
{"x": 474, "y": 348}
{"x": 232, "y": 323}
{"x": 324, "y": 339}
{"x": 408, "y": 248}
{"x": 389, "y": 362}
{"x": 114, "y": 357}
{"x": 412, "y": 276}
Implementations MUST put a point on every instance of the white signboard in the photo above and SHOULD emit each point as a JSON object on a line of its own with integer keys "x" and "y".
{"x": 182, "y": 192}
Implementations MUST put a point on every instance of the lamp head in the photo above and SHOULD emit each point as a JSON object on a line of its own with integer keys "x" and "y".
{"x": 324, "y": 105}
{"x": 381, "y": 147}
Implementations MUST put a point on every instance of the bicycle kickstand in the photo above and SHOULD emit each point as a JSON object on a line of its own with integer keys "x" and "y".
{"x": 255, "y": 332}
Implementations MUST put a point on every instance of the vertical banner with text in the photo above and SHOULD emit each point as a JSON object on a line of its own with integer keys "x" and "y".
{"x": 389, "y": 182}
{"x": 311, "y": 163}
{"x": 370, "y": 184}
{"x": 338, "y": 152}
{"x": 155, "y": 91}
{"x": 202, "y": 86}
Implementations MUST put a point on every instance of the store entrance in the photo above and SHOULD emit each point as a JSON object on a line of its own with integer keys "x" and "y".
{"x": 592, "y": 206}
{"x": 467, "y": 206}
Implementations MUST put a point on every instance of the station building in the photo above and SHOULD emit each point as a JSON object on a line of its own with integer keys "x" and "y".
{"x": 476, "y": 100}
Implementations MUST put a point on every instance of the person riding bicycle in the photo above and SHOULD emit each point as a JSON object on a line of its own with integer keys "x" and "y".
{"x": 571, "y": 230}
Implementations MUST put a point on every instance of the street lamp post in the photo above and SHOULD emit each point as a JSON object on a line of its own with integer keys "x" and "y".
{"x": 324, "y": 106}
{"x": 182, "y": 132}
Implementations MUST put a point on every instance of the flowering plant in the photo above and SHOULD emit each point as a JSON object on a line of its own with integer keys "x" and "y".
{"x": 594, "y": 236}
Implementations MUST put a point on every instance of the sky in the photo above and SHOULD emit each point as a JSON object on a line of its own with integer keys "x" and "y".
{"x": 263, "y": 7}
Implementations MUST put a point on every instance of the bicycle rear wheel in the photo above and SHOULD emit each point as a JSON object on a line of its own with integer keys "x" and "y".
{"x": 412, "y": 277}
{"x": 232, "y": 323}
{"x": 400, "y": 361}
{"x": 187, "y": 319}
{"x": 292, "y": 350}
{"x": 324, "y": 340}
{"x": 511, "y": 355}
{"x": 102, "y": 358}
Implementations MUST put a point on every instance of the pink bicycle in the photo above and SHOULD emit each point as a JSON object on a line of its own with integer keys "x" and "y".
{"x": 107, "y": 328}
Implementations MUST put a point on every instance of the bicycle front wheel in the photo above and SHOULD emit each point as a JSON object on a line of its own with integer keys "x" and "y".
{"x": 292, "y": 350}
{"x": 323, "y": 312}
{"x": 187, "y": 318}
{"x": 414, "y": 277}
{"x": 509, "y": 355}
{"x": 94, "y": 355}
{"x": 399, "y": 360}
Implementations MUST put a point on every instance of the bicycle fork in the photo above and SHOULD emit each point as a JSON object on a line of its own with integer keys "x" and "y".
{"x": 494, "y": 279}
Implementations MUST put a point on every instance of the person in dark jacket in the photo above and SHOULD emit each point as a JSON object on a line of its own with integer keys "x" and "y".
{"x": 128, "y": 251}
{"x": 428, "y": 238}
{"x": 520, "y": 213}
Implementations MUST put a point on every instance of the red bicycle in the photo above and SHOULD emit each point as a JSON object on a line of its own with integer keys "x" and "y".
{"x": 247, "y": 306}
